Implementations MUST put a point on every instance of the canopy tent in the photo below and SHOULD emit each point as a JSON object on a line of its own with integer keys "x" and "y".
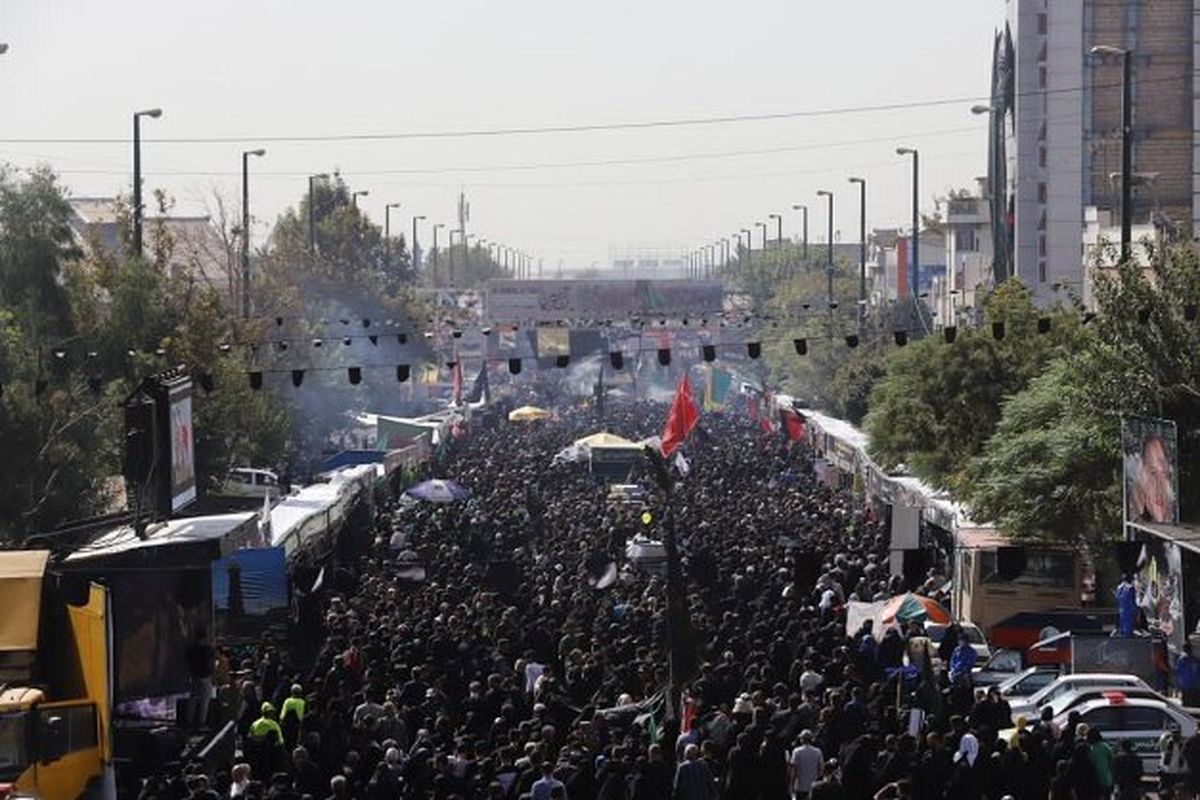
{"x": 603, "y": 439}
{"x": 913, "y": 607}
{"x": 528, "y": 414}
{"x": 438, "y": 491}
{"x": 581, "y": 449}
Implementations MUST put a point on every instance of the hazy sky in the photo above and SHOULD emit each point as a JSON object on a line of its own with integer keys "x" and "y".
{"x": 255, "y": 68}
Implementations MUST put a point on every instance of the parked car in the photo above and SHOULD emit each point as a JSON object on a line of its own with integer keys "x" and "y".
{"x": 1065, "y": 702}
{"x": 1003, "y": 665}
{"x": 1031, "y": 706}
{"x": 936, "y": 630}
{"x": 1139, "y": 720}
{"x": 1020, "y": 686}
{"x": 250, "y": 482}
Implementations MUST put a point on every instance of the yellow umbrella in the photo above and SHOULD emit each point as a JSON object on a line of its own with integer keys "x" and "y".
{"x": 603, "y": 439}
{"x": 528, "y": 414}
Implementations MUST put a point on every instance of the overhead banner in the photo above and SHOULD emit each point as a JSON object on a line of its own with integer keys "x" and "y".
{"x": 1151, "y": 469}
{"x": 552, "y": 300}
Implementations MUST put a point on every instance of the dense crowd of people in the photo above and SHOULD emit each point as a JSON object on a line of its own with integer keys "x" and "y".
{"x": 483, "y": 651}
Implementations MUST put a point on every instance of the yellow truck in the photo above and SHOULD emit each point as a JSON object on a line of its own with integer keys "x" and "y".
{"x": 55, "y": 685}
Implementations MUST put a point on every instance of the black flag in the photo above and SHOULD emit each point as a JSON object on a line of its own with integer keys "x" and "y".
{"x": 480, "y": 390}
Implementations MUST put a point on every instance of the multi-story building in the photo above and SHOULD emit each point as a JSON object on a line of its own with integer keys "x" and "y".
{"x": 1061, "y": 115}
{"x": 969, "y": 255}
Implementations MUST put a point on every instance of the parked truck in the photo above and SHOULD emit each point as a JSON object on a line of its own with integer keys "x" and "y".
{"x": 55, "y": 682}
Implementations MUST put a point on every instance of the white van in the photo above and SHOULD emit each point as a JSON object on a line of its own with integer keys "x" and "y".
{"x": 249, "y": 482}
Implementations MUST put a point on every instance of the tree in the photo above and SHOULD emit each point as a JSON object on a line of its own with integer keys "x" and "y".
{"x": 1053, "y": 468}
{"x": 940, "y": 401}
{"x": 1050, "y": 469}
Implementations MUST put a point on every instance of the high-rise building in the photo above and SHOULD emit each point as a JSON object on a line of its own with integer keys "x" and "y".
{"x": 1059, "y": 107}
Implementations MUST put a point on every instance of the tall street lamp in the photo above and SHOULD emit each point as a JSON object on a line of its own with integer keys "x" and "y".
{"x": 749, "y": 246}
{"x": 803, "y": 208}
{"x": 436, "y": 227}
{"x": 862, "y": 248}
{"x": 763, "y": 225}
{"x": 741, "y": 252}
{"x": 360, "y": 193}
{"x": 312, "y": 210}
{"x": 387, "y": 221}
{"x": 153, "y": 113}
{"x": 387, "y": 229}
{"x": 246, "y": 227}
{"x": 416, "y": 255}
{"x": 829, "y": 248}
{"x": 916, "y": 219}
{"x": 1126, "y": 143}
{"x": 779, "y": 229}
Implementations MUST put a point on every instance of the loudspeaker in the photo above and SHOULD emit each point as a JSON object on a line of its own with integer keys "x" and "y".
{"x": 1010, "y": 562}
{"x": 915, "y": 566}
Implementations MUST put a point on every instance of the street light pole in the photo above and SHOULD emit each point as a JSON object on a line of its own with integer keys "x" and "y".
{"x": 749, "y": 247}
{"x": 360, "y": 193}
{"x": 246, "y": 228}
{"x": 387, "y": 227}
{"x": 916, "y": 221}
{"x": 829, "y": 246}
{"x": 803, "y": 208}
{"x": 862, "y": 248}
{"x": 153, "y": 113}
{"x": 1126, "y": 144}
{"x": 779, "y": 230}
{"x": 312, "y": 210}
{"x": 764, "y": 226}
{"x": 416, "y": 260}
{"x": 435, "y": 249}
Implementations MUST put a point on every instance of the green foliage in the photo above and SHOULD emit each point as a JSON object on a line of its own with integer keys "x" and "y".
{"x": 1053, "y": 468}
{"x": 940, "y": 402}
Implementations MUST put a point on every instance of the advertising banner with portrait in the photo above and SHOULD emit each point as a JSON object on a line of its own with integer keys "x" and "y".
{"x": 1151, "y": 470}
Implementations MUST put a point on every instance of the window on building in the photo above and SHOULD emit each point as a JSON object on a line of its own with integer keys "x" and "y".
{"x": 1041, "y": 192}
{"x": 1042, "y": 24}
{"x": 1042, "y": 247}
{"x": 1041, "y": 156}
{"x": 1041, "y": 272}
{"x": 965, "y": 240}
{"x": 1041, "y": 77}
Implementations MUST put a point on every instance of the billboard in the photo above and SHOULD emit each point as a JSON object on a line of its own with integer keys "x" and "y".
{"x": 183, "y": 461}
{"x": 159, "y": 460}
{"x": 1151, "y": 470}
{"x": 553, "y": 300}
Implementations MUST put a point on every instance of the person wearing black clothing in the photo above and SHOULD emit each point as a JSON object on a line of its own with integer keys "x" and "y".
{"x": 1127, "y": 772}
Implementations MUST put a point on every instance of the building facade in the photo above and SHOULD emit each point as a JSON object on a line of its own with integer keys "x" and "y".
{"x": 1061, "y": 117}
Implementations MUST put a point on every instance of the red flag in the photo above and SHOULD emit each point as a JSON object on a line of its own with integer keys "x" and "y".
{"x": 681, "y": 420}
{"x": 793, "y": 425}
{"x": 456, "y": 384}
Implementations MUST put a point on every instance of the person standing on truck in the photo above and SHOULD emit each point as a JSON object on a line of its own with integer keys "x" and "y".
{"x": 201, "y": 660}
